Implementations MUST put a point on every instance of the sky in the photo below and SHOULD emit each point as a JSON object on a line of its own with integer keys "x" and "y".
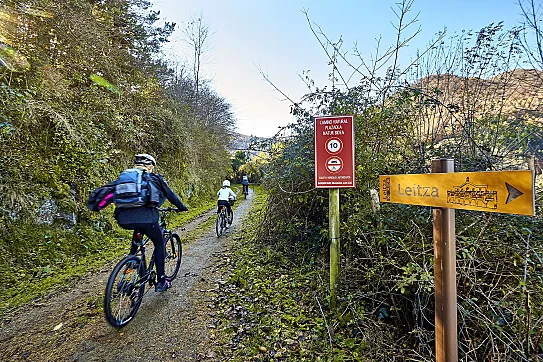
{"x": 274, "y": 37}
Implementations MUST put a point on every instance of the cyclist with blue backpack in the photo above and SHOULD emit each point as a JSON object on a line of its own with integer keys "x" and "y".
{"x": 245, "y": 183}
{"x": 138, "y": 193}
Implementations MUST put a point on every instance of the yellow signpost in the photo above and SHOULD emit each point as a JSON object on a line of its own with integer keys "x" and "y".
{"x": 509, "y": 192}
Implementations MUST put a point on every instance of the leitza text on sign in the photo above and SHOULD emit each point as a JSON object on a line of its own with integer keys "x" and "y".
{"x": 334, "y": 152}
{"x": 418, "y": 190}
{"x": 509, "y": 192}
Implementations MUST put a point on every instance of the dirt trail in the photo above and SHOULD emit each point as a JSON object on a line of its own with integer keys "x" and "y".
{"x": 176, "y": 325}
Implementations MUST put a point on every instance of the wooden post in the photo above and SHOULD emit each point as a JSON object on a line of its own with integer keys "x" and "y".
{"x": 445, "y": 275}
{"x": 531, "y": 163}
{"x": 333, "y": 221}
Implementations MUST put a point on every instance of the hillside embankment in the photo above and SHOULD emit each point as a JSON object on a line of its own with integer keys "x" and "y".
{"x": 68, "y": 323}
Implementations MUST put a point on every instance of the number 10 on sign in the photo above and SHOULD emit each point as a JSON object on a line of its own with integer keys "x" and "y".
{"x": 334, "y": 145}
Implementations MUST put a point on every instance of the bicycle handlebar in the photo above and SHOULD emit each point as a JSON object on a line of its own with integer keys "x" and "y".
{"x": 168, "y": 209}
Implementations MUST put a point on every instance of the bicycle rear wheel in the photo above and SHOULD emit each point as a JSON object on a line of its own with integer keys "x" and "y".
{"x": 218, "y": 225}
{"x": 124, "y": 291}
{"x": 174, "y": 252}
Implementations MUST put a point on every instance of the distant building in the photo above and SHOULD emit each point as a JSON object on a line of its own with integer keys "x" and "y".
{"x": 473, "y": 195}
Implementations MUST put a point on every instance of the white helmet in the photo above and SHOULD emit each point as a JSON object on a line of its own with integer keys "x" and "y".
{"x": 226, "y": 183}
{"x": 145, "y": 159}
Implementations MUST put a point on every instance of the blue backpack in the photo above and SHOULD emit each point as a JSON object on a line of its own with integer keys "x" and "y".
{"x": 134, "y": 188}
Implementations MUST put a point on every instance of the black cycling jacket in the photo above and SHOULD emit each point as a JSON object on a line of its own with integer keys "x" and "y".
{"x": 145, "y": 214}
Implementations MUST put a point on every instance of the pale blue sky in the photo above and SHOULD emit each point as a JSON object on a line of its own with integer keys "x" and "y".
{"x": 275, "y": 36}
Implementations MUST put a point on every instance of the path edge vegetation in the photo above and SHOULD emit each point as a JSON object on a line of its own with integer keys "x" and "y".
{"x": 109, "y": 246}
{"x": 95, "y": 90}
{"x": 455, "y": 100}
{"x": 271, "y": 308}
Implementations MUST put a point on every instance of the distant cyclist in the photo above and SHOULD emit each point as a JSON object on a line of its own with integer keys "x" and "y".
{"x": 245, "y": 183}
{"x": 225, "y": 194}
{"x": 144, "y": 219}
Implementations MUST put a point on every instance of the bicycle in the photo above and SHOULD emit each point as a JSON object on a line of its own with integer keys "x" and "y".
{"x": 245, "y": 191}
{"x": 126, "y": 285}
{"x": 222, "y": 219}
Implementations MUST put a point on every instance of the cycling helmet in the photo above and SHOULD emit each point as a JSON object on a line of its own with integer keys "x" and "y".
{"x": 145, "y": 159}
{"x": 226, "y": 183}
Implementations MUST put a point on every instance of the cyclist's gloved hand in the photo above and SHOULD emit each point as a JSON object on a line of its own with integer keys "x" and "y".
{"x": 184, "y": 208}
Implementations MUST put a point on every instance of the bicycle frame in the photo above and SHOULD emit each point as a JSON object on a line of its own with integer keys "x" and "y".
{"x": 224, "y": 214}
{"x": 149, "y": 272}
{"x": 137, "y": 240}
{"x": 162, "y": 223}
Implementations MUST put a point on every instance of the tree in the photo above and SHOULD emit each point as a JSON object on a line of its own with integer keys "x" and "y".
{"x": 532, "y": 32}
{"x": 240, "y": 159}
{"x": 197, "y": 36}
{"x": 457, "y": 99}
{"x": 88, "y": 92}
{"x": 254, "y": 168}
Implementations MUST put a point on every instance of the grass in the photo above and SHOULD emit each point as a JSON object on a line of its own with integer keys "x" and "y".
{"x": 272, "y": 309}
{"x": 38, "y": 260}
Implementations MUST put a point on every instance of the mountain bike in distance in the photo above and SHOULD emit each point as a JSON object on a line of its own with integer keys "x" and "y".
{"x": 222, "y": 221}
{"x": 126, "y": 285}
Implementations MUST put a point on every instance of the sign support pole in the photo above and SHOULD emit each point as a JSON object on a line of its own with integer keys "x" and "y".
{"x": 334, "y": 169}
{"x": 333, "y": 222}
{"x": 445, "y": 275}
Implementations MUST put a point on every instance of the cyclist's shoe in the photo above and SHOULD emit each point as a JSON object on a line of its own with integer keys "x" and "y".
{"x": 163, "y": 286}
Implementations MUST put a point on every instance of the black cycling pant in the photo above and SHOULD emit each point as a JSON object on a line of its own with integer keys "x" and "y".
{"x": 154, "y": 233}
{"x": 225, "y": 203}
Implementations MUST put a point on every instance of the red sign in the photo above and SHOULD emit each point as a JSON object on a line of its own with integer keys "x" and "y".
{"x": 334, "y": 152}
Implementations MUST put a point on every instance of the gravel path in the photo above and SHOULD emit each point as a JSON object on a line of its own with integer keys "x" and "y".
{"x": 177, "y": 325}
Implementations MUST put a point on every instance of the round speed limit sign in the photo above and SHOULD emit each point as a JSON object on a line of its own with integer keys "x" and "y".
{"x": 334, "y": 145}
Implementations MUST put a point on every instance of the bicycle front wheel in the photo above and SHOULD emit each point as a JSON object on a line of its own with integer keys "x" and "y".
{"x": 124, "y": 291}
{"x": 174, "y": 252}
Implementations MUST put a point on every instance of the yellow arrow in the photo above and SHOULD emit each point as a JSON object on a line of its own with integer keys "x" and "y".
{"x": 513, "y": 193}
